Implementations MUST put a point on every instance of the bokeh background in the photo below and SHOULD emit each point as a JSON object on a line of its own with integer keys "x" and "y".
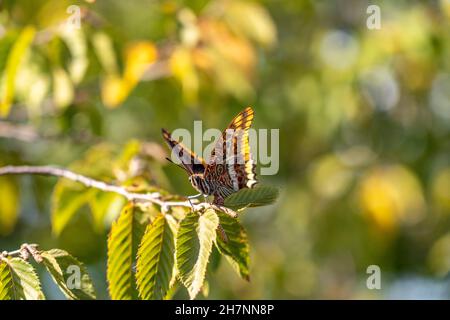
{"x": 364, "y": 119}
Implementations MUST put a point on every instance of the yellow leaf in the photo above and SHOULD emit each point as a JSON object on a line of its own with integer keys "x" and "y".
{"x": 182, "y": 67}
{"x": 253, "y": 20}
{"x": 9, "y": 205}
{"x": 391, "y": 196}
{"x": 139, "y": 57}
{"x": 63, "y": 92}
{"x": 104, "y": 49}
{"x": 12, "y": 65}
{"x": 76, "y": 42}
{"x": 114, "y": 91}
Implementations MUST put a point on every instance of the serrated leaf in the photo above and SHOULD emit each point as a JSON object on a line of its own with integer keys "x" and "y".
{"x": 69, "y": 274}
{"x": 194, "y": 241}
{"x": 126, "y": 233}
{"x": 172, "y": 290}
{"x": 6, "y": 292}
{"x": 259, "y": 196}
{"x": 214, "y": 259}
{"x": 5, "y": 281}
{"x": 236, "y": 249}
{"x": 155, "y": 260}
{"x": 18, "y": 281}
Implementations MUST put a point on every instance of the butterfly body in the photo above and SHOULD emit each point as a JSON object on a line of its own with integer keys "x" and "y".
{"x": 230, "y": 166}
{"x": 200, "y": 184}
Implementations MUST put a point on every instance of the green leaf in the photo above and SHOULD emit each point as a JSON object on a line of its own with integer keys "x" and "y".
{"x": 5, "y": 281}
{"x": 63, "y": 90}
{"x": 104, "y": 49}
{"x": 105, "y": 208}
{"x": 214, "y": 259}
{"x": 236, "y": 249}
{"x": 126, "y": 233}
{"x": 194, "y": 241}
{"x": 67, "y": 199}
{"x": 155, "y": 260}
{"x": 6, "y": 43}
{"x": 15, "y": 58}
{"x": 9, "y": 205}
{"x": 18, "y": 281}
{"x": 76, "y": 42}
{"x": 69, "y": 274}
{"x": 259, "y": 196}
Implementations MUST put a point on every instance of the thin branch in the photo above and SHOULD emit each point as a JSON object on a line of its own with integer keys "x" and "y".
{"x": 18, "y": 132}
{"x": 154, "y": 197}
{"x": 24, "y": 252}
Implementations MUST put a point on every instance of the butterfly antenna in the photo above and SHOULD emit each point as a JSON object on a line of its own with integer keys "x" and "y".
{"x": 168, "y": 159}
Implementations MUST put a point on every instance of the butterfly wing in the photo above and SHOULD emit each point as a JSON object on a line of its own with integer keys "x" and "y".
{"x": 188, "y": 159}
{"x": 231, "y": 162}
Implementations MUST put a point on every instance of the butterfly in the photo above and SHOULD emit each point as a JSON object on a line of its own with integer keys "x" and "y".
{"x": 230, "y": 166}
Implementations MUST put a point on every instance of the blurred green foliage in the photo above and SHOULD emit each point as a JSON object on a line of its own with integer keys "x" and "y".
{"x": 364, "y": 119}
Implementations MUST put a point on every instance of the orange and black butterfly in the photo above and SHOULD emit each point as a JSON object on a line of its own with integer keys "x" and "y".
{"x": 230, "y": 166}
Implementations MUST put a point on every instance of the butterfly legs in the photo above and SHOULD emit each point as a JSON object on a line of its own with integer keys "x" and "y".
{"x": 219, "y": 200}
{"x": 193, "y": 197}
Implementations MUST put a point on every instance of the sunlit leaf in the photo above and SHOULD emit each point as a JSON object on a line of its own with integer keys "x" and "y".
{"x": 104, "y": 49}
{"x": 138, "y": 58}
{"x": 9, "y": 205}
{"x": 76, "y": 42}
{"x": 194, "y": 241}
{"x": 66, "y": 201}
{"x": 33, "y": 84}
{"x": 236, "y": 248}
{"x": 105, "y": 207}
{"x": 172, "y": 290}
{"x": 6, "y": 43}
{"x": 126, "y": 233}
{"x": 251, "y": 19}
{"x": 114, "y": 90}
{"x": 155, "y": 260}
{"x": 69, "y": 274}
{"x": 63, "y": 91}
{"x": 259, "y": 196}
{"x": 69, "y": 197}
{"x": 124, "y": 167}
{"x": 12, "y": 65}
{"x": 18, "y": 281}
{"x": 391, "y": 195}
{"x": 439, "y": 256}
{"x": 182, "y": 67}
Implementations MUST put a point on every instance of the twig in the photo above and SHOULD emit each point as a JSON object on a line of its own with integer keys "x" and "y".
{"x": 154, "y": 197}
{"x": 24, "y": 252}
